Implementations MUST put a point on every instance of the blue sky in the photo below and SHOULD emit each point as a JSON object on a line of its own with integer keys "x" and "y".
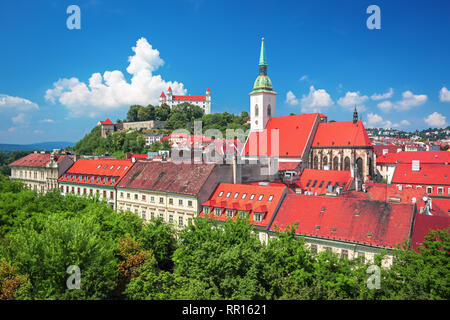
{"x": 321, "y": 55}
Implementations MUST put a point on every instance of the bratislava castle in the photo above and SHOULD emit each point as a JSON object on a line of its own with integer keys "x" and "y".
{"x": 171, "y": 100}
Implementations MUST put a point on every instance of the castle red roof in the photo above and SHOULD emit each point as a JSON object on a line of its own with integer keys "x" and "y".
{"x": 294, "y": 133}
{"x": 266, "y": 199}
{"x": 167, "y": 176}
{"x": 369, "y": 222}
{"x": 32, "y": 160}
{"x": 107, "y": 121}
{"x": 189, "y": 98}
{"x": 88, "y": 168}
{"x": 162, "y": 94}
{"x": 170, "y": 89}
{"x": 430, "y": 174}
{"x": 408, "y": 156}
{"x": 341, "y": 134}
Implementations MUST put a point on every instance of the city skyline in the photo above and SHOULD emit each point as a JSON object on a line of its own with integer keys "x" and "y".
{"x": 321, "y": 57}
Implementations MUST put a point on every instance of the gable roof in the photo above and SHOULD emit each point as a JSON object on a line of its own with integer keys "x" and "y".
{"x": 190, "y": 98}
{"x": 341, "y": 134}
{"x": 294, "y": 132}
{"x": 102, "y": 168}
{"x": 258, "y": 204}
{"x": 433, "y": 174}
{"x": 167, "y": 176}
{"x": 107, "y": 122}
{"x": 422, "y": 226}
{"x": 367, "y": 222}
{"x": 32, "y": 160}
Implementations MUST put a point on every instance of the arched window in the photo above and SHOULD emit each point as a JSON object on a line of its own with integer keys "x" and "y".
{"x": 325, "y": 161}
{"x": 336, "y": 163}
{"x": 359, "y": 167}
{"x": 347, "y": 164}
{"x": 269, "y": 110}
{"x": 316, "y": 162}
{"x": 256, "y": 110}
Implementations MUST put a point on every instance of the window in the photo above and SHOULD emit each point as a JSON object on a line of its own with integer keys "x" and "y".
{"x": 261, "y": 196}
{"x": 106, "y": 180}
{"x": 171, "y": 218}
{"x": 206, "y": 209}
{"x": 236, "y": 195}
{"x": 144, "y": 197}
{"x": 229, "y": 213}
{"x": 128, "y": 196}
{"x": 106, "y": 166}
{"x": 99, "y": 166}
{"x": 84, "y": 190}
{"x": 217, "y": 211}
{"x": 170, "y": 201}
{"x": 314, "y": 184}
{"x": 257, "y": 216}
{"x": 143, "y": 214}
{"x": 135, "y": 197}
{"x": 344, "y": 254}
{"x": 321, "y": 184}
{"x": 161, "y": 215}
{"x": 111, "y": 168}
{"x": 270, "y": 198}
{"x": 180, "y": 221}
{"x": 67, "y": 189}
{"x": 104, "y": 194}
{"x": 228, "y": 195}
{"x": 161, "y": 200}
{"x": 92, "y": 179}
{"x": 152, "y": 215}
{"x": 189, "y": 203}
{"x": 99, "y": 179}
{"x": 180, "y": 202}
{"x": 429, "y": 190}
{"x": 252, "y": 196}
{"x": 242, "y": 214}
{"x": 220, "y": 194}
{"x": 440, "y": 191}
{"x": 152, "y": 199}
{"x": 244, "y": 195}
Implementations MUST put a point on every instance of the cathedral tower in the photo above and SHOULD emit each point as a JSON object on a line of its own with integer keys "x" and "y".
{"x": 262, "y": 98}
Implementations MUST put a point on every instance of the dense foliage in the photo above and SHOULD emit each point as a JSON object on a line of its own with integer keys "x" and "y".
{"x": 121, "y": 258}
{"x": 6, "y": 157}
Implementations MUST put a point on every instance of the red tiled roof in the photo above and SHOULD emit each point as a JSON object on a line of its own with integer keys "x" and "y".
{"x": 432, "y": 174}
{"x": 408, "y": 156}
{"x": 443, "y": 204}
{"x": 367, "y": 222}
{"x": 282, "y": 166}
{"x": 170, "y": 89}
{"x": 342, "y": 133}
{"x": 381, "y": 192}
{"x": 422, "y": 226}
{"x": 167, "y": 176}
{"x": 32, "y": 160}
{"x": 313, "y": 177}
{"x": 162, "y": 94}
{"x": 107, "y": 121}
{"x": 254, "y": 205}
{"x": 207, "y": 90}
{"x": 293, "y": 132}
{"x": 89, "y": 168}
{"x": 378, "y": 149}
{"x": 190, "y": 98}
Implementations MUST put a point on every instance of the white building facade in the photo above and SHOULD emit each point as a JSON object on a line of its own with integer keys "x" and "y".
{"x": 171, "y": 100}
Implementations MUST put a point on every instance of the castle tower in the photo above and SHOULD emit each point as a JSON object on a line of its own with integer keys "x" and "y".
{"x": 208, "y": 101}
{"x": 262, "y": 98}
{"x": 162, "y": 98}
{"x": 355, "y": 116}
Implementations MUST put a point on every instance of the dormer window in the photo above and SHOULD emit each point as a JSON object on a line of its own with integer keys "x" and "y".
{"x": 106, "y": 180}
{"x": 252, "y": 196}
{"x": 99, "y": 179}
{"x": 99, "y": 166}
{"x": 206, "y": 209}
{"x": 230, "y": 213}
{"x": 217, "y": 211}
{"x": 228, "y": 195}
{"x": 243, "y": 196}
{"x": 261, "y": 196}
{"x": 221, "y": 193}
{"x": 236, "y": 195}
{"x": 92, "y": 179}
{"x": 270, "y": 198}
{"x": 258, "y": 216}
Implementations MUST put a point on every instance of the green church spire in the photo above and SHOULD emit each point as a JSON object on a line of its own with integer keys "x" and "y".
{"x": 262, "y": 83}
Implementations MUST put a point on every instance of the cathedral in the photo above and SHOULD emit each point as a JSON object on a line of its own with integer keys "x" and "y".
{"x": 304, "y": 141}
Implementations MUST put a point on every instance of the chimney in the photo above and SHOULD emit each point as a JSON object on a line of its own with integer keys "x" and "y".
{"x": 237, "y": 170}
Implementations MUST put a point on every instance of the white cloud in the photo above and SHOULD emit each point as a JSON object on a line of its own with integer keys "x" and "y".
{"x": 47, "y": 120}
{"x": 382, "y": 96}
{"x": 111, "y": 90}
{"x": 16, "y": 103}
{"x": 353, "y": 99}
{"x": 385, "y": 106}
{"x": 12, "y": 129}
{"x": 410, "y": 100}
{"x": 444, "y": 95}
{"x": 436, "y": 120}
{"x": 304, "y": 77}
{"x": 316, "y": 100}
{"x": 20, "y": 119}
{"x": 291, "y": 99}
{"x": 376, "y": 121}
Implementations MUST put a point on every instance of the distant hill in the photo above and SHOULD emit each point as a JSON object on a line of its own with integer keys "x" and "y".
{"x": 36, "y": 146}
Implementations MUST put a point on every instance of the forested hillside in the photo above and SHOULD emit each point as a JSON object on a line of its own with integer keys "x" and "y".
{"x": 121, "y": 258}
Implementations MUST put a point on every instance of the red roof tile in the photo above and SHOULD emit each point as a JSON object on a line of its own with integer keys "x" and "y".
{"x": 378, "y": 149}
{"x": 246, "y": 204}
{"x": 441, "y": 157}
{"x": 162, "y": 94}
{"x": 282, "y": 166}
{"x": 107, "y": 121}
{"x": 32, "y": 160}
{"x": 311, "y": 180}
{"x": 167, "y": 176}
{"x": 367, "y": 222}
{"x": 89, "y": 168}
{"x": 341, "y": 134}
{"x": 431, "y": 174}
{"x": 293, "y": 131}
{"x": 422, "y": 226}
